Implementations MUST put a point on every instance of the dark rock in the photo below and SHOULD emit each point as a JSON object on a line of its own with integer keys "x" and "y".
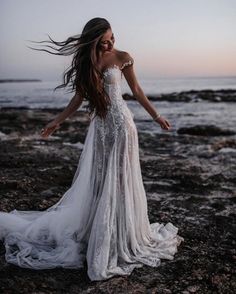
{"x": 189, "y": 182}
{"x": 205, "y": 130}
{"x": 226, "y": 143}
{"x": 228, "y": 95}
{"x": 19, "y": 80}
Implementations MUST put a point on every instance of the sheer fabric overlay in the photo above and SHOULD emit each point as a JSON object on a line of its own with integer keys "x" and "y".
{"x": 102, "y": 218}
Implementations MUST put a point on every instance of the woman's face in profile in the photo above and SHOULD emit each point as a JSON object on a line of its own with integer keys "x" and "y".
{"x": 107, "y": 41}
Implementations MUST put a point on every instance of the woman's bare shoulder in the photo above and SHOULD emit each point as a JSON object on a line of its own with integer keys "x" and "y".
{"x": 124, "y": 56}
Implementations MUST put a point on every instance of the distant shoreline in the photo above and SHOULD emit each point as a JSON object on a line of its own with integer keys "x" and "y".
{"x": 221, "y": 95}
{"x": 200, "y": 96}
{"x": 19, "y": 80}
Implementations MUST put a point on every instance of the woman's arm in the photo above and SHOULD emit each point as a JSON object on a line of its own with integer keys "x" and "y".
{"x": 138, "y": 93}
{"x": 73, "y": 105}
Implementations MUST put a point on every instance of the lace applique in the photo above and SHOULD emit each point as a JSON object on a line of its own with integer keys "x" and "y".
{"x": 130, "y": 62}
{"x": 109, "y": 68}
{"x": 117, "y": 124}
{"x": 107, "y": 71}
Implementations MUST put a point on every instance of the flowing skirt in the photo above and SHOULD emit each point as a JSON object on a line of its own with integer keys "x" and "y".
{"x": 101, "y": 219}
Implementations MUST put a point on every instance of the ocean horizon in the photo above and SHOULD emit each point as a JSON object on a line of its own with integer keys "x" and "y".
{"x": 41, "y": 94}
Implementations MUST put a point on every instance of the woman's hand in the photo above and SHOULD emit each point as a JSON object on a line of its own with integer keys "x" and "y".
{"x": 165, "y": 125}
{"x": 49, "y": 129}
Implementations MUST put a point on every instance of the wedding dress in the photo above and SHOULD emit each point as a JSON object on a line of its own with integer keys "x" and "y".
{"x": 102, "y": 218}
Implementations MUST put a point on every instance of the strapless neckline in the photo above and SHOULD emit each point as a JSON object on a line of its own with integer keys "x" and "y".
{"x": 113, "y": 66}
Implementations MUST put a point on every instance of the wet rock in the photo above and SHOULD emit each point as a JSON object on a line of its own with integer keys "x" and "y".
{"x": 49, "y": 192}
{"x": 225, "y": 143}
{"x": 189, "y": 182}
{"x": 228, "y": 95}
{"x": 205, "y": 130}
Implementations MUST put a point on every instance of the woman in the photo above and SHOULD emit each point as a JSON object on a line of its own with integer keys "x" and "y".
{"x": 102, "y": 218}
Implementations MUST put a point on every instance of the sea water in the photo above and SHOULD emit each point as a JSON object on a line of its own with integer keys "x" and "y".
{"x": 41, "y": 95}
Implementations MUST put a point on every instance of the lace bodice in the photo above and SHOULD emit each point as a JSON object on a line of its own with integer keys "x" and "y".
{"x": 112, "y": 84}
{"x": 119, "y": 115}
{"x": 113, "y": 75}
{"x": 119, "y": 119}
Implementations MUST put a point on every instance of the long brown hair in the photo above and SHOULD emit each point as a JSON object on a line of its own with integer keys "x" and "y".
{"x": 83, "y": 75}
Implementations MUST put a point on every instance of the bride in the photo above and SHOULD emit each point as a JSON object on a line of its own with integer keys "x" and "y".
{"x": 102, "y": 218}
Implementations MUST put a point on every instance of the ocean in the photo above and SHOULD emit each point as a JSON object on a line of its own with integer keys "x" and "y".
{"x": 179, "y": 114}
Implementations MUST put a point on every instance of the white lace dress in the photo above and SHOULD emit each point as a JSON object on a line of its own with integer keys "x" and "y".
{"x": 102, "y": 218}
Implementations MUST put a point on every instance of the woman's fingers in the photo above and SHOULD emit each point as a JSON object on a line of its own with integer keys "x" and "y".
{"x": 44, "y": 133}
{"x": 165, "y": 125}
{"x": 168, "y": 124}
{"x": 49, "y": 128}
{"x": 47, "y": 131}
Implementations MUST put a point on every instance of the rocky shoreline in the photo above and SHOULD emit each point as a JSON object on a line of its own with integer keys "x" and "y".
{"x": 222, "y": 95}
{"x": 189, "y": 178}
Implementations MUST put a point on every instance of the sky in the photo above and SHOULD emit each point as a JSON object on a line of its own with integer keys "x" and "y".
{"x": 166, "y": 38}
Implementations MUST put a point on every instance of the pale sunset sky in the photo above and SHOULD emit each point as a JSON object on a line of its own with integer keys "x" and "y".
{"x": 166, "y": 38}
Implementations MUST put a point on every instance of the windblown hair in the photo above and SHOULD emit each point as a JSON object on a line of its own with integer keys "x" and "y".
{"x": 83, "y": 75}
